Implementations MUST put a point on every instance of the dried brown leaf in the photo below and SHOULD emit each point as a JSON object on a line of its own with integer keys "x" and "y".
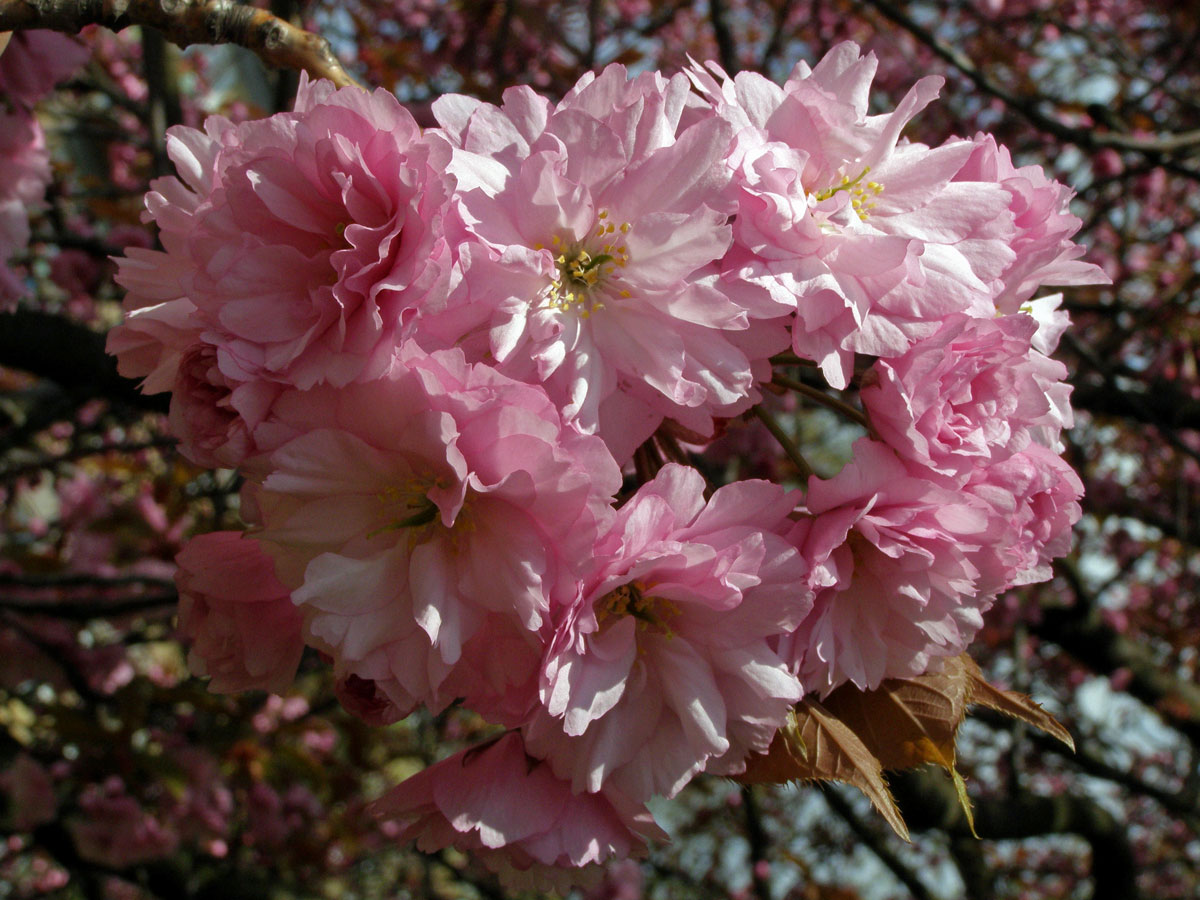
{"x": 907, "y": 722}
{"x": 1011, "y": 703}
{"x": 815, "y": 745}
{"x": 853, "y": 735}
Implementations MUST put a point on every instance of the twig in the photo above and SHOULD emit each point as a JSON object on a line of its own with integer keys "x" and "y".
{"x": 876, "y": 843}
{"x": 186, "y": 22}
{"x": 821, "y": 397}
{"x": 70, "y": 355}
{"x": 82, "y": 579}
{"x": 82, "y": 610}
{"x": 1083, "y": 137}
{"x": 756, "y": 836}
{"x": 789, "y": 447}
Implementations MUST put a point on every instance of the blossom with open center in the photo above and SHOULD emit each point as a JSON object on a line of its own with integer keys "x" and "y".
{"x": 587, "y": 246}
{"x": 870, "y": 238}
{"x": 662, "y": 668}
{"x": 428, "y": 523}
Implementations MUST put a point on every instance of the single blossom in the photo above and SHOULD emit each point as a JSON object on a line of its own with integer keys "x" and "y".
{"x": 513, "y": 814}
{"x": 1034, "y": 500}
{"x": 1044, "y": 251}
{"x": 663, "y": 668}
{"x": 895, "y": 567}
{"x": 871, "y": 239}
{"x": 213, "y": 416}
{"x": 427, "y": 523}
{"x": 33, "y": 61}
{"x": 242, "y": 626}
{"x": 974, "y": 393}
{"x": 587, "y": 248}
{"x": 301, "y": 247}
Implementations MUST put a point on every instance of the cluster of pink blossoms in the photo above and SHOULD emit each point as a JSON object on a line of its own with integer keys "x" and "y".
{"x": 434, "y": 356}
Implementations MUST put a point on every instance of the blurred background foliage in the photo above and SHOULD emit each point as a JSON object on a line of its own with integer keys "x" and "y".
{"x": 122, "y": 777}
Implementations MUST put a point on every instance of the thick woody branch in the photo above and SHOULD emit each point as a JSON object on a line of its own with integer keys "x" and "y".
{"x": 70, "y": 355}
{"x": 186, "y": 22}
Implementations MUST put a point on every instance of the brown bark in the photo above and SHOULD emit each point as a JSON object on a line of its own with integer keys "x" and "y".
{"x": 186, "y": 22}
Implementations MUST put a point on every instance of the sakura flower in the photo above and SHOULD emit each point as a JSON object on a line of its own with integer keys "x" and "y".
{"x": 30, "y": 64}
{"x": 212, "y": 416}
{"x": 33, "y": 61}
{"x": 869, "y": 238}
{"x": 973, "y": 393}
{"x": 1034, "y": 499}
{"x": 301, "y": 246}
{"x": 1045, "y": 253}
{"x": 515, "y": 816}
{"x": 112, "y": 828}
{"x": 663, "y": 668}
{"x": 427, "y": 522}
{"x": 895, "y": 569}
{"x": 589, "y": 233}
{"x": 243, "y": 628}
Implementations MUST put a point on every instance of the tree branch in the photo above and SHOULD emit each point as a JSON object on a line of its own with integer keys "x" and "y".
{"x": 1162, "y": 145}
{"x": 756, "y": 836}
{"x": 929, "y": 801}
{"x": 70, "y": 355}
{"x": 186, "y": 22}
{"x": 1081, "y": 632}
{"x": 876, "y": 843}
{"x": 726, "y": 45}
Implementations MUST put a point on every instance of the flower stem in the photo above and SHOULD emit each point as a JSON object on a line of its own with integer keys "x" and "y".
{"x": 791, "y": 359}
{"x": 821, "y": 397}
{"x": 789, "y": 447}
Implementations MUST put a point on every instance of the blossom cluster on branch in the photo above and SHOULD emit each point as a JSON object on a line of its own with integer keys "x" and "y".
{"x": 465, "y": 372}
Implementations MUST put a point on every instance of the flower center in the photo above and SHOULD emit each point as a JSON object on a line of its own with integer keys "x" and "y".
{"x": 652, "y": 613}
{"x": 406, "y": 506}
{"x": 584, "y": 267}
{"x": 862, "y": 195}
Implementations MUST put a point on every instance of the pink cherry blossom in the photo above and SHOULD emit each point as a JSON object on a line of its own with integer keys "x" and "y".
{"x": 34, "y": 61}
{"x": 662, "y": 667}
{"x": 427, "y": 523}
{"x": 1034, "y": 497}
{"x": 895, "y": 571}
{"x": 867, "y": 236}
{"x": 973, "y": 393}
{"x": 510, "y": 812}
{"x": 212, "y": 416}
{"x": 301, "y": 246}
{"x": 244, "y": 630}
{"x": 113, "y": 829}
{"x": 1045, "y": 253}
{"x": 588, "y": 241}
